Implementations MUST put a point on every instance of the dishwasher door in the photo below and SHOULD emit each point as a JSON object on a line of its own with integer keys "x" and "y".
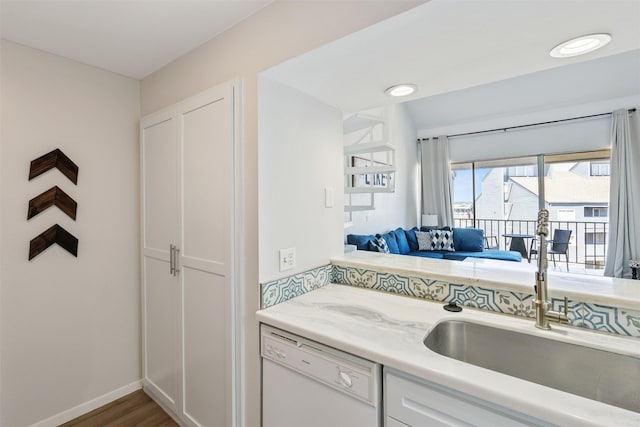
{"x": 306, "y": 384}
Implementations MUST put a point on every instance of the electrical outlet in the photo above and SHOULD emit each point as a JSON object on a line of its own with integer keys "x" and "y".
{"x": 287, "y": 259}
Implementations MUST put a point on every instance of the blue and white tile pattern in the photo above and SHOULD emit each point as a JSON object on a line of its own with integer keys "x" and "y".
{"x": 290, "y": 287}
{"x": 591, "y": 316}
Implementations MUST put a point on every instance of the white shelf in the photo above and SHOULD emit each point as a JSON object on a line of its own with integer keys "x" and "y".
{"x": 365, "y": 170}
{"x": 358, "y": 122}
{"x": 370, "y": 147}
{"x": 357, "y": 208}
{"x": 367, "y": 190}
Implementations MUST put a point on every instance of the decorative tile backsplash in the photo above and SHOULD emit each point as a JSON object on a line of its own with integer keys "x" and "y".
{"x": 284, "y": 289}
{"x": 591, "y": 316}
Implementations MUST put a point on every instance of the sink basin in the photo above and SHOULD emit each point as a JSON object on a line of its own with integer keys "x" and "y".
{"x": 600, "y": 375}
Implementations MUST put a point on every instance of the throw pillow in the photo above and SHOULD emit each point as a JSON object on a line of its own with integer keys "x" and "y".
{"x": 468, "y": 239}
{"x": 381, "y": 245}
{"x": 360, "y": 240}
{"x": 424, "y": 240}
{"x": 441, "y": 240}
{"x": 390, "y": 238}
{"x": 435, "y": 227}
{"x": 412, "y": 240}
{"x": 401, "y": 239}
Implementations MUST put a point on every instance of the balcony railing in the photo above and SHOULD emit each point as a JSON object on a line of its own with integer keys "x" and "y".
{"x": 588, "y": 245}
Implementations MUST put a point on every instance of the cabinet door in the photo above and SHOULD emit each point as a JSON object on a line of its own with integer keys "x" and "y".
{"x": 159, "y": 229}
{"x": 417, "y": 402}
{"x": 392, "y": 422}
{"x": 205, "y": 133}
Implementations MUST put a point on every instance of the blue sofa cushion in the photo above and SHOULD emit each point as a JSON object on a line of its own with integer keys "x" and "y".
{"x": 401, "y": 239}
{"x": 390, "y": 238}
{"x": 412, "y": 240}
{"x": 490, "y": 254}
{"x": 427, "y": 254}
{"x": 360, "y": 240}
{"x": 468, "y": 239}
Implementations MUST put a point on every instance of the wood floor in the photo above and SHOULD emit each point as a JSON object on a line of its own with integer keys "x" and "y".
{"x": 135, "y": 409}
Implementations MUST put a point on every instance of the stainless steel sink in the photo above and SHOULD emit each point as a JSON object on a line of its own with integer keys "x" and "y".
{"x": 595, "y": 374}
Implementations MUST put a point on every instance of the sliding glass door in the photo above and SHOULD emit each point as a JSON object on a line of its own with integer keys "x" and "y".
{"x": 503, "y": 197}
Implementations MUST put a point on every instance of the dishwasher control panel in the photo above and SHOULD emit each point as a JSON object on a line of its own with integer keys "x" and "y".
{"x": 357, "y": 377}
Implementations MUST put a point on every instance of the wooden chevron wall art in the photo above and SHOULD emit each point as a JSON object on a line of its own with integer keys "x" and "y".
{"x": 52, "y": 197}
{"x": 54, "y": 159}
{"x": 54, "y": 234}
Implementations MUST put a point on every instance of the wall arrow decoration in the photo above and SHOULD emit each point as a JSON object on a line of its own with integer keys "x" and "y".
{"x": 54, "y": 159}
{"x": 53, "y": 196}
{"x": 54, "y": 234}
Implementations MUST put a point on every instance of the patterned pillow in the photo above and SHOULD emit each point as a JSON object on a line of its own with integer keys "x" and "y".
{"x": 441, "y": 240}
{"x": 381, "y": 245}
{"x": 424, "y": 240}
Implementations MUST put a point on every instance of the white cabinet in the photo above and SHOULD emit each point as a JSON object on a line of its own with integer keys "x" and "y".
{"x": 187, "y": 164}
{"x": 414, "y": 402}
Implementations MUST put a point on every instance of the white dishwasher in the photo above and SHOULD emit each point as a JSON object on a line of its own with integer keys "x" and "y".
{"x": 306, "y": 384}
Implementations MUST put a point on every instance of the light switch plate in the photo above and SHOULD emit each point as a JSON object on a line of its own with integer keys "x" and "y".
{"x": 328, "y": 197}
{"x": 287, "y": 259}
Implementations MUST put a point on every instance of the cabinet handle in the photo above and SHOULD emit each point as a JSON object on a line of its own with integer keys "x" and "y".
{"x": 172, "y": 268}
{"x": 176, "y": 262}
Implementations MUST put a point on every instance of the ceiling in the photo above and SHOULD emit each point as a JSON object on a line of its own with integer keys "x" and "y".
{"x": 448, "y": 45}
{"x": 130, "y": 37}
{"x": 610, "y": 77}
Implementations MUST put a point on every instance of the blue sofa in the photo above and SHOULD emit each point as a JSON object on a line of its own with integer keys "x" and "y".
{"x": 467, "y": 242}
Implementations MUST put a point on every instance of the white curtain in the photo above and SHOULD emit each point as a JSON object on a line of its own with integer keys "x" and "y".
{"x": 624, "y": 203}
{"x": 436, "y": 180}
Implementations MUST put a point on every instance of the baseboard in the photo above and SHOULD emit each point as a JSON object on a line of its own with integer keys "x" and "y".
{"x": 89, "y": 406}
{"x": 160, "y": 399}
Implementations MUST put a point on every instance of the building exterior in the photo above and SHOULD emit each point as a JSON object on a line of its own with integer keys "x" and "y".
{"x": 576, "y": 195}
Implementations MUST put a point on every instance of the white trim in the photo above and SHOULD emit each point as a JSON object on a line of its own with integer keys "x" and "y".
{"x": 76, "y": 411}
{"x": 239, "y": 286}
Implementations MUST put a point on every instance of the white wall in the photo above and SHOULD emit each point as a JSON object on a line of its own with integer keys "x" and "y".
{"x": 70, "y": 327}
{"x": 400, "y": 208}
{"x": 278, "y": 32}
{"x": 300, "y": 154}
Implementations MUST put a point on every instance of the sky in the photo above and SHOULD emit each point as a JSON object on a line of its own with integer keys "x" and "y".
{"x": 463, "y": 183}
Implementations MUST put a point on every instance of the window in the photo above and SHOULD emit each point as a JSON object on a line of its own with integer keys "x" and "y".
{"x": 502, "y": 196}
{"x": 463, "y": 194}
{"x": 596, "y": 212}
{"x": 600, "y": 169}
{"x": 595, "y": 238}
{"x": 523, "y": 170}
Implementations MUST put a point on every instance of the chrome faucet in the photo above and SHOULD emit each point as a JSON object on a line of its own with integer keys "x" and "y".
{"x": 544, "y": 314}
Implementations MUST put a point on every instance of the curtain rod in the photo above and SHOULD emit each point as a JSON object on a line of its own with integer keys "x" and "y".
{"x": 504, "y": 129}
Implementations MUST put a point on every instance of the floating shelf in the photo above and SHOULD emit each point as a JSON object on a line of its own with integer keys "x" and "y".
{"x": 358, "y": 209}
{"x": 369, "y": 147}
{"x": 360, "y": 121}
{"x": 368, "y": 190}
{"x": 365, "y": 170}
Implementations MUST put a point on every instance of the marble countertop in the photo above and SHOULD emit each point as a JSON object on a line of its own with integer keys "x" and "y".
{"x": 505, "y": 275}
{"x": 390, "y": 329}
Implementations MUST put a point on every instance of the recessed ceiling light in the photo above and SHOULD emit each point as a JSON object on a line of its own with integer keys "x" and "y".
{"x": 580, "y": 45}
{"x": 404, "y": 89}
